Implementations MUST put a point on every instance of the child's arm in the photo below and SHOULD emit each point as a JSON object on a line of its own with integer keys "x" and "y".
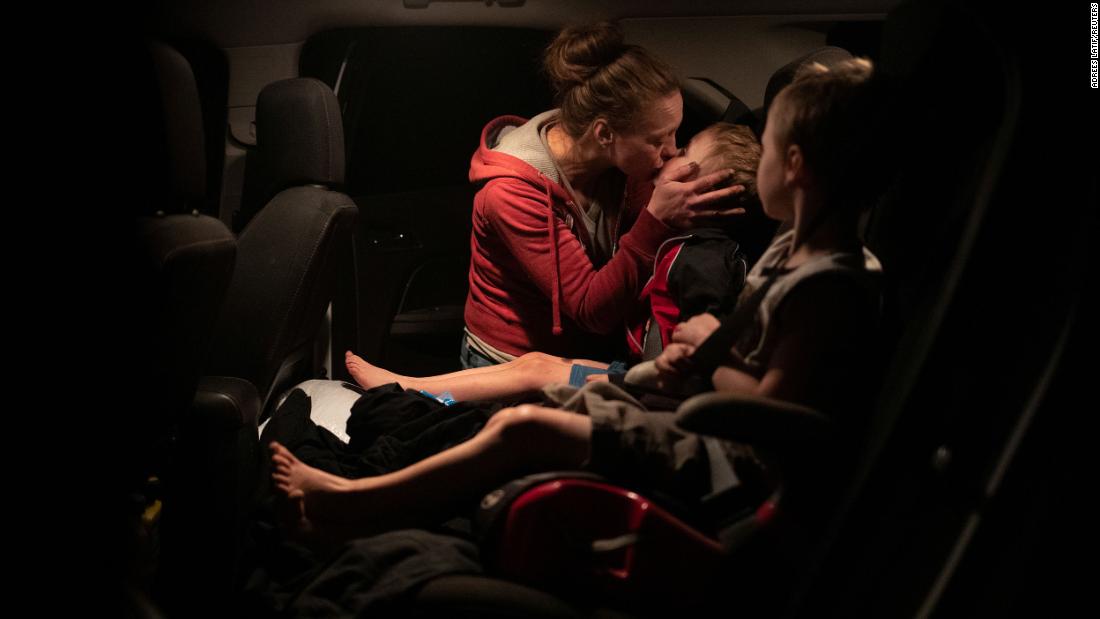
{"x": 821, "y": 325}
{"x": 675, "y": 359}
{"x": 727, "y": 378}
{"x": 818, "y": 329}
{"x": 696, "y": 329}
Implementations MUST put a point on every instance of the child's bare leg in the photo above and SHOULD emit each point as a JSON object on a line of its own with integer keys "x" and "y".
{"x": 515, "y": 442}
{"x": 522, "y": 376}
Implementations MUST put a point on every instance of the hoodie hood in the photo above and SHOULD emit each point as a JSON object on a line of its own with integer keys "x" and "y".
{"x": 511, "y": 147}
{"x": 504, "y": 154}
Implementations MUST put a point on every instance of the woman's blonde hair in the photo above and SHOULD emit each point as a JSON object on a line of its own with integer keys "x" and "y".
{"x": 596, "y": 74}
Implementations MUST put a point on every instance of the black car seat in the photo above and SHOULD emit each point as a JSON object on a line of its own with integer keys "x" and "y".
{"x": 190, "y": 256}
{"x": 408, "y": 164}
{"x": 828, "y": 56}
{"x": 288, "y": 260}
{"x": 984, "y": 323}
{"x": 705, "y": 103}
{"x": 184, "y": 263}
{"x": 291, "y": 253}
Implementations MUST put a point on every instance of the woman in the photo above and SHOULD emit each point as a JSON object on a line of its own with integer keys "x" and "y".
{"x": 567, "y": 220}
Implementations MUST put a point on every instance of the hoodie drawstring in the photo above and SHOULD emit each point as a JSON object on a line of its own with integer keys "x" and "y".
{"x": 555, "y": 284}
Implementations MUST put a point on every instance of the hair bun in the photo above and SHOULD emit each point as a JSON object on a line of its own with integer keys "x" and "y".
{"x": 579, "y": 52}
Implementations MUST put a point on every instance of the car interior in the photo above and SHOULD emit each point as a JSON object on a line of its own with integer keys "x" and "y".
{"x": 304, "y": 171}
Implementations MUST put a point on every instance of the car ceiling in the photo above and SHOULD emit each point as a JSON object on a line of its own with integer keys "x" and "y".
{"x": 246, "y": 23}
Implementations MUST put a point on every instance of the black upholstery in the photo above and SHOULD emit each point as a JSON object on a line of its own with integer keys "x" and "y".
{"x": 217, "y": 465}
{"x": 475, "y": 597}
{"x": 705, "y": 103}
{"x": 300, "y": 135}
{"x": 185, "y": 259}
{"x": 283, "y": 280}
{"x": 263, "y": 340}
{"x": 288, "y": 254}
{"x": 183, "y": 128}
{"x": 186, "y": 262}
{"x": 281, "y": 287}
{"x": 828, "y": 56}
{"x": 299, "y": 141}
{"x": 191, "y": 259}
{"x": 753, "y": 419}
{"x": 953, "y": 306}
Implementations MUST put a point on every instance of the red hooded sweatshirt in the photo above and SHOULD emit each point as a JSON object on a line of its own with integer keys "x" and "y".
{"x": 533, "y": 283}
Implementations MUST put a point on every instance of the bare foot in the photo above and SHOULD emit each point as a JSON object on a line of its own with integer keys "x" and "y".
{"x": 317, "y": 508}
{"x": 295, "y": 478}
{"x": 368, "y": 375}
{"x": 319, "y": 496}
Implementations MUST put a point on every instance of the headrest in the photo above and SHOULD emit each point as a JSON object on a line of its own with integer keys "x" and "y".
{"x": 300, "y": 134}
{"x": 828, "y": 56}
{"x": 179, "y": 95}
{"x": 713, "y": 101}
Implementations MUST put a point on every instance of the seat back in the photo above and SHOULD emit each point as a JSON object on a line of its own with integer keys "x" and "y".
{"x": 954, "y": 298}
{"x": 408, "y": 165}
{"x": 705, "y": 103}
{"x": 578, "y": 535}
{"x": 186, "y": 259}
{"x": 289, "y": 255}
{"x": 182, "y": 265}
{"x": 827, "y": 55}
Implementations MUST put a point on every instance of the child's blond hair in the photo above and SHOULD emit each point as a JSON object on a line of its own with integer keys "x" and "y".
{"x": 833, "y": 115}
{"x": 734, "y": 147}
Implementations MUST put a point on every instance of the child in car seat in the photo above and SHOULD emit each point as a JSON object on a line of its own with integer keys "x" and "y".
{"x": 811, "y": 304}
{"x": 702, "y": 271}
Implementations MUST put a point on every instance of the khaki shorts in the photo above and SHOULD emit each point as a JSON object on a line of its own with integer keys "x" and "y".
{"x": 637, "y": 447}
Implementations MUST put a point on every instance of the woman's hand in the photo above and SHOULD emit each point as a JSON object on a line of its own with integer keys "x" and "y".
{"x": 682, "y": 201}
{"x": 696, "y": 329}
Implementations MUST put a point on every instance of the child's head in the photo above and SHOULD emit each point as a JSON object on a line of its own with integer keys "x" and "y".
{"x": 819, "y": 137}
{"x": 723, "y": 146}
